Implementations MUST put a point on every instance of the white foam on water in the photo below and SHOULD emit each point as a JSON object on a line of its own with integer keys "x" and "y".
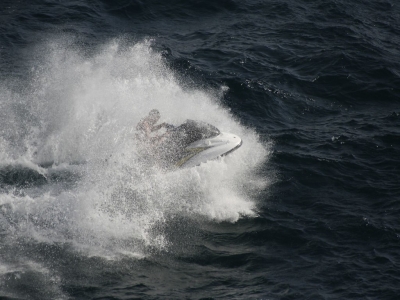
{"x": 16, "y": 278}
{"x": 80, "y": 112}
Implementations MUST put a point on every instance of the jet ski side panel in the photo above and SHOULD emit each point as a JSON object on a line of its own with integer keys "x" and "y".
{"x": 209, "y": 149}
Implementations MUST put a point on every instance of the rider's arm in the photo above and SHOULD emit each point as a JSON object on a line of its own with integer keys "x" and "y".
{"x": 159, "y": 126}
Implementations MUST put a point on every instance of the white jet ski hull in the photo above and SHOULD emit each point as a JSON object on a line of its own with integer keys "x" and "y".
{"x": 209, "y": 149}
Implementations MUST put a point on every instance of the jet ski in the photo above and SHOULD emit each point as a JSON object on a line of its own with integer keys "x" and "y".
{"x": 196, "y": 142}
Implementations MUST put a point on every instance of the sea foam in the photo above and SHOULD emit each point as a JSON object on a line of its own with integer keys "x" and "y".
{"x": 79, "y": 113}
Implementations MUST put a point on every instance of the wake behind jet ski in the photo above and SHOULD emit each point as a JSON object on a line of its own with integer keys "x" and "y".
{"x": 189, "y": 144}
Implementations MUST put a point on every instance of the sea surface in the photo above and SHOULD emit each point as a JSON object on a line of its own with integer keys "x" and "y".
{"x": 307, "y": 208}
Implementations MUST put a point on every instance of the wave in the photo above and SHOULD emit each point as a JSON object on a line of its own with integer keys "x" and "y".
{"x": 83, "y": 180}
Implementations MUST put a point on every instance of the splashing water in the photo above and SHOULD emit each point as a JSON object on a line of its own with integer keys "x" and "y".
{"x": 73, "y": 129}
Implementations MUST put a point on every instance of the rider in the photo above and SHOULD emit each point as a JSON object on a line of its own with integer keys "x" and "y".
{"x": 147, "y": 125}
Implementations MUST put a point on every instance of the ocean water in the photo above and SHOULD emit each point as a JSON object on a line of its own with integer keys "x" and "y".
{"x": 307, "y": 208}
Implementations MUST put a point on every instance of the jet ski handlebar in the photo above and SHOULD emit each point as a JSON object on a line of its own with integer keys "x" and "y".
{"x": 169, "y": 127}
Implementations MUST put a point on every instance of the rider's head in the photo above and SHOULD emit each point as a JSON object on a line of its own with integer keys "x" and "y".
{"x": 154, "y": 115}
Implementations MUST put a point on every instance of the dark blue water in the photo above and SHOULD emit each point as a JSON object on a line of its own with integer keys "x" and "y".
{"x": 307, "y": 208}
